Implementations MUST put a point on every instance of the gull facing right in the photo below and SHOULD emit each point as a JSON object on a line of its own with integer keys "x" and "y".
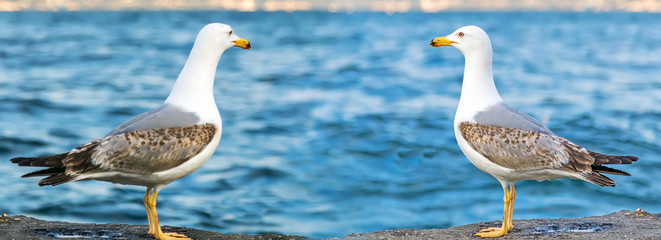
{"x": 157, "y": 147}
{"x": 507, "y": 143}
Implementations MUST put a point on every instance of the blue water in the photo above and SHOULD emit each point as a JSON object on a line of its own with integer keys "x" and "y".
{"x": 333, "y": 123}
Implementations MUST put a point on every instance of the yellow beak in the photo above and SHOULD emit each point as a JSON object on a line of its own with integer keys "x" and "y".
{"x": 440, "y": 41}
{"x": 242, "y": 43}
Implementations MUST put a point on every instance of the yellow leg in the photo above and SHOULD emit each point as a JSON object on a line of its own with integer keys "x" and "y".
{"x": 494, "y": 231}
{"x": 511, "y": 210}
{"x": 153, "y": 216}
{"x": 145, "y": 199}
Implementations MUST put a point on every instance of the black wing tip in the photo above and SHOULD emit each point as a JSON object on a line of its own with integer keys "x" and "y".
{"x": 54, "y": 172}
{"x": 45, "y": 172}
{"x": 604, "y": 169}
{"x": 22, "y": 161}
{"x": 43, "y": 161}
{"x": 598, "y": 179}
{"x": 601, "y": 158}
{"x": 627, "y": 159}
{"x": 55, "y": 180}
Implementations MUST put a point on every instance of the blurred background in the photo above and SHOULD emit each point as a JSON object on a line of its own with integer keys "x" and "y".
{"x": 339, "y": 119}
{"x": 389, "y": 6}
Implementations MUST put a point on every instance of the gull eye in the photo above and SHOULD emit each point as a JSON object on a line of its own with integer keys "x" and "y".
{"x": 230, "y": 33}
{"x": 461, "y": 34}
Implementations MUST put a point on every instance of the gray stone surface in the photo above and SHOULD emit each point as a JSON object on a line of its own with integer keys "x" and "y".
{"x": 28, "y": 228}
{"x": 619, "y": 225}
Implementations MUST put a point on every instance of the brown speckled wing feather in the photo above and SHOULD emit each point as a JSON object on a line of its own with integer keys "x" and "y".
{"x": 142, "y": 152}
{"x": 520, "y": 149}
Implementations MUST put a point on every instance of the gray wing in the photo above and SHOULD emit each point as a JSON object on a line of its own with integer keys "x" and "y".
{"x": 502, "y": 115}
{"x": 166, "y": 116}
{"x": 524, "y": 149}
{"x": 141, "y": 151}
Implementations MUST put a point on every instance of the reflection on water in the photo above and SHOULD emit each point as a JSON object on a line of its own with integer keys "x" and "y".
{"x": 333, "y": 123}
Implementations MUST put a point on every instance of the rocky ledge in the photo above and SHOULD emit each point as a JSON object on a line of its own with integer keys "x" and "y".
{"x": 620, "y": 225}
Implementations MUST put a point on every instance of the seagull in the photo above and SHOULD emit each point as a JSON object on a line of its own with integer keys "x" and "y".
{"x": 157, "y": 147}
{"x": 507, "y": 143}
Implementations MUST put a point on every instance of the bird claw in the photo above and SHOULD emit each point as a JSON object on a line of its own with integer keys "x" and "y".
{"x": 171, "y": 236}
{"x": 489, "y": 229}
{"x": 176, "y": 235}
{"x": 491, "y": 232}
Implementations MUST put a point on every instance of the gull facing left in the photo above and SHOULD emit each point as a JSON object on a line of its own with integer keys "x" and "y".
{"x": 507, "y": 143}
{"x": 160, "y": 146}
